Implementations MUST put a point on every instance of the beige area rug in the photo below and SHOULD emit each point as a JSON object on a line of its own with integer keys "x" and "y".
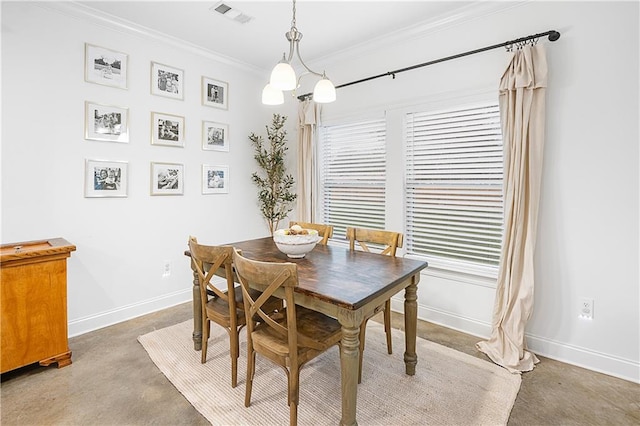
{"x": 449, "y": 388}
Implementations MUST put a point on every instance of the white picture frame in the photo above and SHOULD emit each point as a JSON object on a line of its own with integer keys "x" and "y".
{"x": 215, "y": 179}
{"x": 167, "y": 178}
{"x": 167, "y": 81}
{"x": 104, "y": 178}
{"x": 215, "y": 136}
{"x": 215, "y": 93}
{"x": 167, "y": 129}
{"x": 108, "y": 123}
{"x": 105, "y": 66}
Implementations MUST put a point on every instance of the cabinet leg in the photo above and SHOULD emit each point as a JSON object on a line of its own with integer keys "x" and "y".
{"x": 62, "y": 359}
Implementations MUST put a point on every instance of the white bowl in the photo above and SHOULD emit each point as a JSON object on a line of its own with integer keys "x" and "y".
{"x": 296, "y": 246}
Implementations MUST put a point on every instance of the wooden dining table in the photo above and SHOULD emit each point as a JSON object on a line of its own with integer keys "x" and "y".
{"x": 347, "y": 285}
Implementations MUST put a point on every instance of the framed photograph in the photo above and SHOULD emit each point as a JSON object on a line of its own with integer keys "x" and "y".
{"x": 215, "y": 179}
{"x": 106, "y": 122}
{"x": 167, "y": 129}
{"x": 105, "y": 66}
{"x": 215, "y": 136}
{"x": 105, "y": 178}
{"x": 215, "y": 93}
{"x": 167, "y": 179}
{"x": 167, "y": 81}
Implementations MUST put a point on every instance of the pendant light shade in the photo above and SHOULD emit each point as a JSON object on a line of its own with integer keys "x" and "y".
{"x": 324, "y": 92}
{"x": 272, "y": 96}
{"x": 283, "y": 77}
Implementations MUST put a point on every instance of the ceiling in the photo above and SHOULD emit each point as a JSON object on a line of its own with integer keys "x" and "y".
{"x": 329, "y": 27}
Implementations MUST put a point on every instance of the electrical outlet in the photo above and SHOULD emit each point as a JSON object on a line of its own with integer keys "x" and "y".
{"x": 586, "y": 308}
{"x": 166, "y": 270}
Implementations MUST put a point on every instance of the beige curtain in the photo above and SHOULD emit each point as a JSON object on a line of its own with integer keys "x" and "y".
{"x": 522, "y": 110}
{"x": 308, "y": 118}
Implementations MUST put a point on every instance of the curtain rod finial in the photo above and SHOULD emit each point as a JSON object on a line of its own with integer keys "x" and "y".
{"x": 554, "y": 35}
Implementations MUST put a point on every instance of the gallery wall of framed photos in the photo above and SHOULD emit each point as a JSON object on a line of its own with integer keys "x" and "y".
{"x": 167, "y": 128}
{"x": 86, "y": 143}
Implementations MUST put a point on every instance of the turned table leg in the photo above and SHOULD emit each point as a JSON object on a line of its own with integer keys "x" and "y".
{"x": 349, "y": 361}
{"x": 410, "y": 326}
{"x": 197, "y": 315}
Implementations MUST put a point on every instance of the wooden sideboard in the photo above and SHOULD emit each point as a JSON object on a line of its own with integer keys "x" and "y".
{"x": 33, "y": 288}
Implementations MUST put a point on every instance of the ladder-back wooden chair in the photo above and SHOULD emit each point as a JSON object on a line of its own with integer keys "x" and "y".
{"x": 222, "y": 306}
{"x": 386, "y": 242}
{"x": 289, "y": 341}
{"x": 324, "y": 231}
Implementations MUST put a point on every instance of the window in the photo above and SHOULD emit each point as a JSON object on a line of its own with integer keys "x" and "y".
{"x": 352, "y": 175}
{"x": 453, "y": 179}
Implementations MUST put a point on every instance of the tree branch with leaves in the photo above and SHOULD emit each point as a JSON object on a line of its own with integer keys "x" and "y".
{"x": 273, "y": 182}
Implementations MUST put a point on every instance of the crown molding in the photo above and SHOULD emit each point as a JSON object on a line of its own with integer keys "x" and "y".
{"x": 105, "y": 20}
{"x": 463, "y": 14}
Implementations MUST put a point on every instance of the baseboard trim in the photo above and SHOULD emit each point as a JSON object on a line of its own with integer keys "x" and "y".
{"x": 104, "y": 319}
{"x": 580, "y": 357}
{"x": 559, "y": 351}
{"x": 447, "y": 319}
{"x": 585, "y": 358}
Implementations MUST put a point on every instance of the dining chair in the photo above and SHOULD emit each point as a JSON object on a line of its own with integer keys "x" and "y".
{"x": 289, "y": 340}
{"x": 385, "y": 243}
{"x": 324, "y": 231}
{"x": 222, "y": 306}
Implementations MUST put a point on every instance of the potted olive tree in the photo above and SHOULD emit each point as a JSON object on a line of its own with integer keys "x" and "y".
{"x": 273, "y": 182}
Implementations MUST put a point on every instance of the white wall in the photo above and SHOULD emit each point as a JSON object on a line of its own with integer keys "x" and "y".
{"x": 588, "y": 223}
{"x": 122, "y": 243}
{"x": 588, "y": 226}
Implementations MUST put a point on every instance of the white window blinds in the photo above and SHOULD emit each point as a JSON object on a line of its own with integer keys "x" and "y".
{"x": 352, "y": 175}
{"x": 454, "y": 186}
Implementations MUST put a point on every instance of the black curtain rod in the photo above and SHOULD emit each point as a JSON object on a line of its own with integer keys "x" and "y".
{"x": 553, "y": 36}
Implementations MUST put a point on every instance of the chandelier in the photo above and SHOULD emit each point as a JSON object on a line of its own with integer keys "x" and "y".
{"x": 283, "y": 76}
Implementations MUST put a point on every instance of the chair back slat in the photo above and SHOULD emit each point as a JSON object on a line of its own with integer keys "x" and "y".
{"x": 324, "y": 231}
{"x": 207, "y": 260}
{"x": 255, "y": 307}
{"x": 389, "y": 241}
{"x": 272, "y": 276}
{"x": 269, "y": 277}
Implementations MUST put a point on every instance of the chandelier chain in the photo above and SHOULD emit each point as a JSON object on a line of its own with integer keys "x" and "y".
{"x": 293, "y": 21}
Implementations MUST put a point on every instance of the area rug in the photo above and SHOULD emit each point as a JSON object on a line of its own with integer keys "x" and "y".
{"x": 449, "y": 387}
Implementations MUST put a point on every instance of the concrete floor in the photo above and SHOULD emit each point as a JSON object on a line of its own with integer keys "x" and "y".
{"x": 112, "y": 381}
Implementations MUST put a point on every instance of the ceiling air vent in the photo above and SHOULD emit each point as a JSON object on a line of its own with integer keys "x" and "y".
{"x": 231, "y": 13}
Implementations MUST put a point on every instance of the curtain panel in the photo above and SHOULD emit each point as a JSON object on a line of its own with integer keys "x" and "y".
{"x": 522, "y": 110}
{"x": 308, "y": 120}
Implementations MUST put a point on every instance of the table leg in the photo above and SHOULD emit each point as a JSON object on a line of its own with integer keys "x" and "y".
{"x": 410, "y": 326}
{"x": 349, "y": 353}
{"x": 197, "y": 314}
